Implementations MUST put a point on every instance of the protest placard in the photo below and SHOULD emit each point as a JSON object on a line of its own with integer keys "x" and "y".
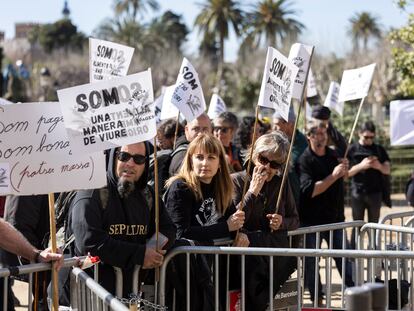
{"x": 158, "y": 105}
{"x": 331, "y": 100}
{"x": 402, "y": 122}
{"x": 108, "y": 60}
{"x": 355, "y": 83}
{"x": 35, "y": 153}
{"x": 216, "y": 106}
{"x": 168, "y": 110}
{"x": 188, "y": 95}
{"x": 110, "y": 113}
{"x": 300, "y": 56}
{"x": 311, "y": 89}
{"x": 4, "y": 101}
{"x": 277, "y": 84}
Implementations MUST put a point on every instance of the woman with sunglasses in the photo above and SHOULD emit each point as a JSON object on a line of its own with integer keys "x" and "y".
{"x": 266, "y": 227}
{"x": 199, "y": 201}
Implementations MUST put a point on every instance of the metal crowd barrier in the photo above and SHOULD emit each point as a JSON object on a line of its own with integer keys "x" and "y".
{"x": 86, "y": 294}
{"x": 398, "y": 217}
{"x": 318, "y": 231}
{"x": 270, "y": 252}
{"x": 399, "y": 270}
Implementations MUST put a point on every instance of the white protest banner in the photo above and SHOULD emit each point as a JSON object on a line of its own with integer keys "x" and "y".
{"x": 311, "y": 90}
{"x": 277, "y": 84}
{"x": 355, "y": 83}
{"x": 168, "y": 110}
{"x": 110, "y": 113}
{"x": 158, "y": 105}
{"x": 402, "y": 122}
{"x": 188, "y": 95}
{"x": 331, "y": 100}
{"x": 35, "y": 153}
{"x": 108, "y": 60}
{"x": 308, "y": 113}
{"x": 300, "y": 56}
{"x": 216, "y": 106}
{"x": 5, "y": 101}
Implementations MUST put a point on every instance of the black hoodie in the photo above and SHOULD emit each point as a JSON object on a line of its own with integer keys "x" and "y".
{"x": 118, "y": 230}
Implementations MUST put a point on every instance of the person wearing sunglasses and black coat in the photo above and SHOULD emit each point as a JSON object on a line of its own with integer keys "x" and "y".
{"x": 264, "y": 226}
{"x": 115, "y": 224}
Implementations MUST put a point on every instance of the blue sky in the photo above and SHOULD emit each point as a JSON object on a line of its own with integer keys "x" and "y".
{"x": 326, "y": 21}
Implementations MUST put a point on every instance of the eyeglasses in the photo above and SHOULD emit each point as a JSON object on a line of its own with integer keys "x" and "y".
{"x": 125, "y": 156}
{"x": 223, "y": 129}
{"x": 368, "y": 137}
{"x": 265, "y": 161}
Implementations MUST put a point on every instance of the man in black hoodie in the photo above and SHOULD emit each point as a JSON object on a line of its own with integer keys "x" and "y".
{"x": 116, "y": 226}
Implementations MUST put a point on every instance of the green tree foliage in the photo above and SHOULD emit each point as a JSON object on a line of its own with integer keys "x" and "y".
{"x": 131, "y": 8}
{"x": 214, "y": 19}
{"x": 402, "y": 41}
{"x": 170, "y": 28}
{"x": 364, "y": 26}
{"x": 274, "y": 21}
{"x": 61, "y": 34}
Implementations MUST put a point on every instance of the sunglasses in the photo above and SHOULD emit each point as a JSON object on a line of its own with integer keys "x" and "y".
{"x": 368, "y": 137}
{"x": 223, "y": 129}
{"x": 265, "y": 161}
{"x": 125, "y": 156}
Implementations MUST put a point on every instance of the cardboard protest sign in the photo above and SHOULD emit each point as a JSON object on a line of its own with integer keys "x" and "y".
{"x": 216, "y": 107}
{"x": 168, "y": 110}
{"x": 277, "y": 84}
{"x": 110, "y": 113}
{"x": 108, "y": 60}
{"x": 188, "y": 95}
{"x": 158, "y": 105}
{"x": 300, "y": 56}
{"x": 311, "y": 90}
{"x": 355, "y": 83}
{"x": 331, "y": 100}
{"x": 35, "y": 153}
{"x": 402, "y": 122}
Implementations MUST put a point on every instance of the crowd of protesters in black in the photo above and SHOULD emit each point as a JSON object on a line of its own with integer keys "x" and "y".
{"x": 204, "y": 199}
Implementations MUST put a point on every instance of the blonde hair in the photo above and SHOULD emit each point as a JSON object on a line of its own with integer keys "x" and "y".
{"x": 275, "y": 143}
{"x": 223, "y": 185}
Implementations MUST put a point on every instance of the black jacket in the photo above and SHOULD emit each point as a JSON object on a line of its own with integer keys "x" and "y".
{"x": 327, "y": 207}
{"x": 196, "y": 219}
{"x": 118, "y": 229}
{"x": 256, "y": 207}
{"x": 178, "y": 157}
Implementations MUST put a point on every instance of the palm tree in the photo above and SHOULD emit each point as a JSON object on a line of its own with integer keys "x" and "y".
{"x": 363, "y": 27}
{"x": 272, "y": 19}
{"x": 214, "y": 19}
{"x": 133, "y": 7}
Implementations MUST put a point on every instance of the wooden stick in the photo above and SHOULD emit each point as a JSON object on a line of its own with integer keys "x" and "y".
{"x": 354, "y": 126}
{"x": 286, "y": 168}
{"x": 157, "y": 210}
{"x": 55, "y": 299}
{"x": 249, "y": 164}
{"x": 176, "y": 129}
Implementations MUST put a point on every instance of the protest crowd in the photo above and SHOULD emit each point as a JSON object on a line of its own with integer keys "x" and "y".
{"x": 214, "y": 176}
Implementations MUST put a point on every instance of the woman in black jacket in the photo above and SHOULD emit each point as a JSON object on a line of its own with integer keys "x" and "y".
{"x": 265, "y": 226}
{"x": 199, "y": 201}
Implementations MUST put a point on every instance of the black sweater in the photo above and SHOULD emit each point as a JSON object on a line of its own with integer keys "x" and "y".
{"x": 194, "y": 219}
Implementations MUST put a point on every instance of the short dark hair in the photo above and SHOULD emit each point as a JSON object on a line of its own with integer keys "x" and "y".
{"x": 230, "y": 118}
{"x": 167, "y": 128}
{"x": 245, "y": 130}
{"x": 367, "y": 126}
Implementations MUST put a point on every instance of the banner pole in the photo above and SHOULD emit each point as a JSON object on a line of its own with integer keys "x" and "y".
{"x": 354, "y": 126}
{"x": 249, "y": 164}
{"x": 176, "y": 129}
{"x": 55, "y": 297}
{"x": 286, "y": 167}
{"x": 157, "y": 211}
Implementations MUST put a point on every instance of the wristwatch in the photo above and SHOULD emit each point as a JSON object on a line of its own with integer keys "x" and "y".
{"x": 37, "y": 255}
